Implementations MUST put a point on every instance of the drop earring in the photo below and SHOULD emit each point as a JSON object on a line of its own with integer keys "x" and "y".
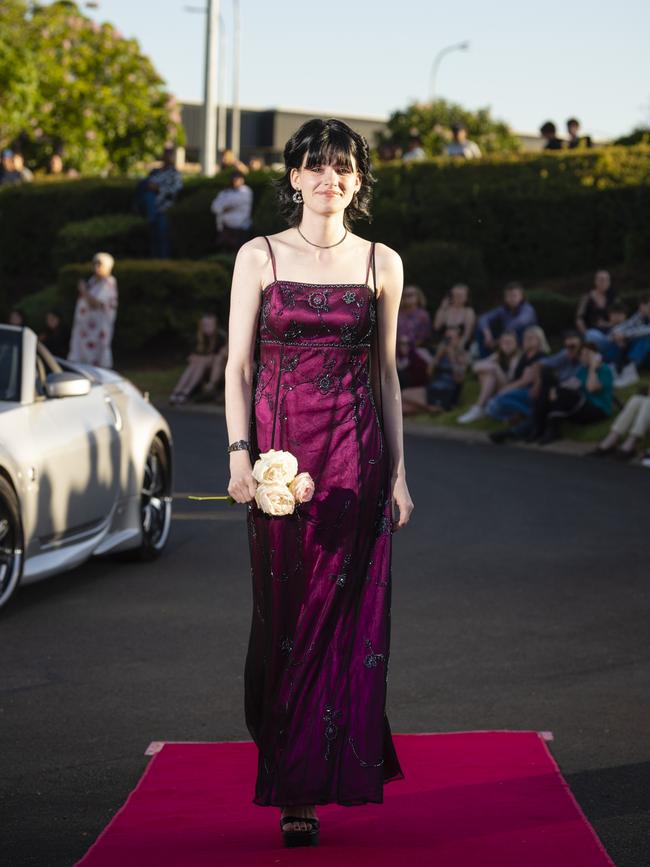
{"x": 297, "y": 197}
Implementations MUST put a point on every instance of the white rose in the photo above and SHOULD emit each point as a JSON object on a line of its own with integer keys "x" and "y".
{"x": 275, "y": 499}
{"x": 275, "y": 467}
{"x": 302, "y": 487}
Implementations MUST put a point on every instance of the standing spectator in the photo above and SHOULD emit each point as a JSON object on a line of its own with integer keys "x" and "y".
{"x": 54, "y": 336}
{"x": 94, "y": 315}
{"x": 230, "y": 161}
{"x": 55, "y": 164}
{"x": 460, "y": 145}
{"x": 413, "y": 318}
{"x": 455, "y": 310}
{"x": 515, "y": 314}
{"x": 548, "y": 132}
{"x": 256, "y": 164}
{"x": 233, "y": 208}
{"x": 414, "y": 151}
{"x": 575, "y": 139}
{"x": 445, "y": 375}
{"x": 159, "y": 192}
{"x": 9, "y": 174}
{"x": 593, "y": 307}
{"x": 493, "y": 374}
{"x": 514, "y": 402}
{"x": 17, "y": 318}
{"x": 208, "y": 359}
{"x": 589, "y": 399}
{"x": 26, "y": 175}
{"x": 633, "y": 423}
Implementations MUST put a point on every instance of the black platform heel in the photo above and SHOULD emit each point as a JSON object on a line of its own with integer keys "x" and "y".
{"x": 300, "y": 838}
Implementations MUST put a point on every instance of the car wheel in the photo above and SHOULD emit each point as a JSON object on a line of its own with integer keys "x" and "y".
{"x": 11, "y": 542}
{"x": 155, "y": 501}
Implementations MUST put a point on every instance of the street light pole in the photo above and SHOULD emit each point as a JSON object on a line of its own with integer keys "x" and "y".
{"x": 222, "y": 142}
{"x": 208, "y": 155}
{"x": 236, "y": 112}
{"x": 460, "y": 46}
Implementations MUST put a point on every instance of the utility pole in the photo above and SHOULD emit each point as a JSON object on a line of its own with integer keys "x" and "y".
{"x": 209, "y": 152}
{"x": 236, "y": 113}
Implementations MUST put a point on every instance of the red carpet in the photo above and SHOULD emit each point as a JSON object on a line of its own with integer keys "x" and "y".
{"x": 469, "y": 799}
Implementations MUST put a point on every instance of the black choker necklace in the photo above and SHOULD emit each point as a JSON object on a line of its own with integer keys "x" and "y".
{"x": 322, "y": 246}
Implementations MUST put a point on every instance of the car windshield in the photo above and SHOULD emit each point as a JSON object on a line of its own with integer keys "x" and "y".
{"x": 10, "y": 343}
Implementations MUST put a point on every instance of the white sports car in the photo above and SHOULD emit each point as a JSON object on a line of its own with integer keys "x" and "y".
{"x": 85, "y": 464}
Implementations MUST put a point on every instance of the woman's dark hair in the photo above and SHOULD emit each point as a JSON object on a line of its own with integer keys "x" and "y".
{"x": 326, "y": 142}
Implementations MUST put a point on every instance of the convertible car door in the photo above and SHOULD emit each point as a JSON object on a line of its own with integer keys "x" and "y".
{"x": 75, "y": 457}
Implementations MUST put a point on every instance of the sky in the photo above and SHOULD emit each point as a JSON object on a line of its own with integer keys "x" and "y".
{"x": 529, "y": 62}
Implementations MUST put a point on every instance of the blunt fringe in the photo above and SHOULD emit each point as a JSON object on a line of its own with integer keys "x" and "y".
{"x": 326, "y": 142}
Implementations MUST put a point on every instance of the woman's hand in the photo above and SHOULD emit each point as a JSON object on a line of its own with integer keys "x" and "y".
{"x": 242, "y": 485}
{"x": 401, "y": 502}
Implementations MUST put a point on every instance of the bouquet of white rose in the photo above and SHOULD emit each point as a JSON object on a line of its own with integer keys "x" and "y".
{"x": 279, "y": 484}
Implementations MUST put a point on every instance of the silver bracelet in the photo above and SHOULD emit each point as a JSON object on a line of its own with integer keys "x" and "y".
{"x": 239, "y": 444}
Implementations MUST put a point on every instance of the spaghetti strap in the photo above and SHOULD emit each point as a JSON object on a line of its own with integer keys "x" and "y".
{"x": 371, "y": 259}
{"x": 275, "y": 276}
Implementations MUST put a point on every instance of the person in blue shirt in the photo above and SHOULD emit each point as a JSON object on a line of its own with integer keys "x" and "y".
{"x": 588, "y": 397}
{"x": 515, "y": 314}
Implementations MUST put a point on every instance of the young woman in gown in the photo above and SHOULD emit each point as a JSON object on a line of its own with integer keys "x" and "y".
{"x": 326, "y": 389}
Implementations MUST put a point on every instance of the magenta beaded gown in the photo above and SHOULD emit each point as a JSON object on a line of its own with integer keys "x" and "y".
{"x": 317, "y": 662}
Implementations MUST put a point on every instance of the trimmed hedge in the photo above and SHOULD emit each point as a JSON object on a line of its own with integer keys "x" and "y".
{"x": 159, "y": 300}
{"x": 124, "y": 236}
{"x": 436, "y": 266}
{"x": 527, "y": 217}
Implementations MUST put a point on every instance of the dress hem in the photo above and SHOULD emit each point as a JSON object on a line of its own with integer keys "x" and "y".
{"x": 322, "y": 802}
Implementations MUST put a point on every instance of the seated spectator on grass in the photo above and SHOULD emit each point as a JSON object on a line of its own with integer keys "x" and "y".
{"x": 94, "y": 315}
{"x": 207, "y": 362}
{"x": 256, "y": 164}
{"x": 548, "y": 131}
{"x": 412, "y": 363}
{"x": 26, "y": 175}
{"x": 413, "y": 318}
{"x": 514, "y": 401}
{"x": 627, "y": 344}
{"x": 16, "y": 317}
{"x": 632, "y": 425}
{"x": 586, "y": 399}
{"x": 55, "y": 336}
{"x": 446, "y": 374}
{"x": 493, "y": 372}
{"x": 593, "y": 308}
{"x": 233, "y": 209}
{"x": 455, "y": 310}
{"x": 8, "y": 172}
{"x": 515, "y": 314}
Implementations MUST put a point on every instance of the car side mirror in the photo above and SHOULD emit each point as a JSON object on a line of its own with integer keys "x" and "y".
{"x": 66, "y": 385}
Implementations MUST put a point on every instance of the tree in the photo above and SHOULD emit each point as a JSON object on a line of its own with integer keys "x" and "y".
{"x": 433, "y": 121}
{"x": 79, "y": 88}
{"x": 640, "y": 135}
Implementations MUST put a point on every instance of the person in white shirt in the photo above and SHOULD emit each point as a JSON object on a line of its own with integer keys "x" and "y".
{"x": 461, "y": 146}
{"x": 233, "y": 208}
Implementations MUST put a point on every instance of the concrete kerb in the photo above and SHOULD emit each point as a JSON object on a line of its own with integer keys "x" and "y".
{"x": 457, "y": 433}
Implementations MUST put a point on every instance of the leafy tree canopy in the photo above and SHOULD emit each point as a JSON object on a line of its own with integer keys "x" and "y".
{"x": 72, "y": 86}
{"x": 433, "y": 121}
{"x": 640, "y": 135}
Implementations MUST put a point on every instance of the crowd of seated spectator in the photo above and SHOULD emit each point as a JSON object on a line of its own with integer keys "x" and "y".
{"x": 521, "y": 383}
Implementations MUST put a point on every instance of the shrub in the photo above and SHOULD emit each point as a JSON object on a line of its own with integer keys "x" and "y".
{"x": 159, "y": 300}
{"x": 32, "y": 215}
{"x": 436, "y": 265}
{"x": 122, "y": 235}
{"x": 555, "y": 312}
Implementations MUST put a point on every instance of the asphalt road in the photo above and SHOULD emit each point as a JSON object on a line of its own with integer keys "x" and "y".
{"x": 520, "y": 601}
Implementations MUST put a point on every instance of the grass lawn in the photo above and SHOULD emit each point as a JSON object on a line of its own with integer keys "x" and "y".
{"x": 159, "y": 382}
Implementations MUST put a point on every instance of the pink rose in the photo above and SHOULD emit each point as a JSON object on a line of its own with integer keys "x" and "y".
{"x": 302, "y": 487}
